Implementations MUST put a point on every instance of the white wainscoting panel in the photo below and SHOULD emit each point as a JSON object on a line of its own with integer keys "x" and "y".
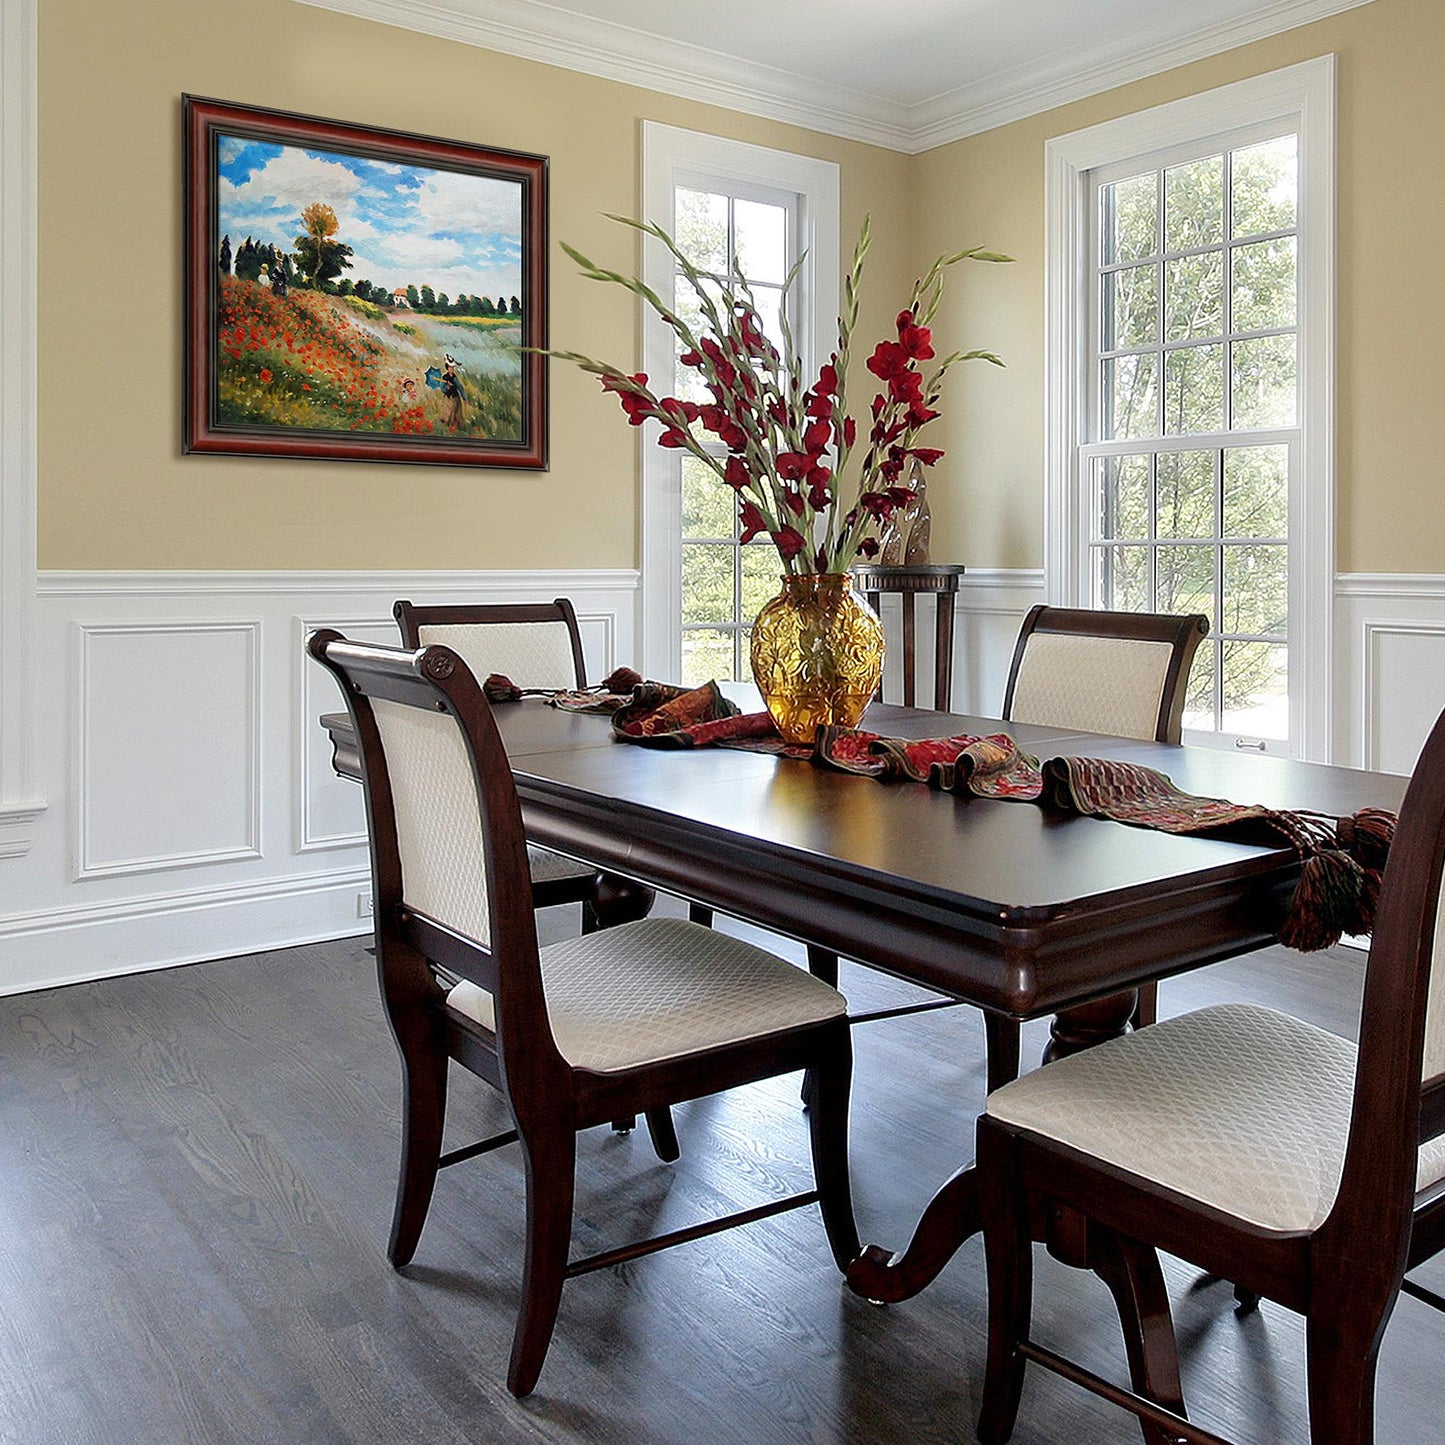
{"x": 1390, "y": 660}
{"x": 194, "y": 813}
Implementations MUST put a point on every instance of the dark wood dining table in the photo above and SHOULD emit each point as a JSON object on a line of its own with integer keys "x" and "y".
{"x": 1011, "y": 906}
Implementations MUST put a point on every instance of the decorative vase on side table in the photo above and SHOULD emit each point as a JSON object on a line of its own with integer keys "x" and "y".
{"x": 817, "y": 654}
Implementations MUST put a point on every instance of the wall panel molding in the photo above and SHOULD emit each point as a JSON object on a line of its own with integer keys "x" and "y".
{"x": 148, "y": 749}
{"x": 242, "y": 838}
{"x": 1390, "y": 662}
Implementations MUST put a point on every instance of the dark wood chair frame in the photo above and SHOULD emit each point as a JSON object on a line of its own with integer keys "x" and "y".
{"x": 1343, "y": 1276}
{"x": 606, "y": 899}
{"x": 550, "y": 1100}
{"x": 1183, "y": 632}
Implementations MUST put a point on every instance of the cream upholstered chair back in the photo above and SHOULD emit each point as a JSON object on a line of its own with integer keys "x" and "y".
{"x": 449, "y": 862}
{"x": 1121, "y": 673}
{"x": 535, "y": 645}
{"x": 438, "y": 817}
{"x": 1433, "y": 1063}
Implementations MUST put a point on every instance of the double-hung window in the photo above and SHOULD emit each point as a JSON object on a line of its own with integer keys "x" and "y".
{"x": 722, "y": 201}
{"x": 1189, "y": 442}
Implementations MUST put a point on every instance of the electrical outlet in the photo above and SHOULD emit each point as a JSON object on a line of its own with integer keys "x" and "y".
{"x": 363, "y": 905}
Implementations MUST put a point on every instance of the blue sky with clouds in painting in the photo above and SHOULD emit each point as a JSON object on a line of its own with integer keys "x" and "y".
{"x": 408, "y": 225}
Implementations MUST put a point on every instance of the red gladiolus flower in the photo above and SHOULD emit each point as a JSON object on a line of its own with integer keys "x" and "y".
{"x": 817, "y": 436}
{"x": 615, "y": 383}
{"x": 889, "y": 359}
{"x": 752, "y": 519}
{"x": 789, "y": 542}
{"x": 794, "y": 503}
{"x": 672, "y": 438}
{"x": 850, "y": 431}
{"x": 827, "y": 380}
{"x": 735, "y": 473}
{"x": 793, "y": 466}
{"x": 686, "y": 410}
{"x": 926, "y": 455}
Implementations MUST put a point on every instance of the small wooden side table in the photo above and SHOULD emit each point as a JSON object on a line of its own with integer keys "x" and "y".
{"x": 908, "y": 582}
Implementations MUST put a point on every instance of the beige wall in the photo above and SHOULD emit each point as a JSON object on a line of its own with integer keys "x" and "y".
{"x": 116, "y": 493}
{"x": 1390, "y": 306}
{"x": 114, "y": 490}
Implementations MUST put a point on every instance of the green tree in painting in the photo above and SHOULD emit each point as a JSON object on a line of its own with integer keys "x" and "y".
{"x": 413, "y": 298}
{"x": 322, "y": 257}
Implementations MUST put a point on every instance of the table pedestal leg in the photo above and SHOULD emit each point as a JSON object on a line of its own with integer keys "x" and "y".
{"x": 952, "y": 1215}
{"x": 616, "y": 900}
{"x": 1089, "y": 1024}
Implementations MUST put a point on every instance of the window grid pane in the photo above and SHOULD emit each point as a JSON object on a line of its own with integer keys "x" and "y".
{"x": 1196, "y": 323}
{"x": 724, "y": 584}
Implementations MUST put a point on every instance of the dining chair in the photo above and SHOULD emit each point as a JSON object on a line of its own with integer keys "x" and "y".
{"x": 1247, "y": 1142}
{"x": 1121, "y": 673}
{"x": 539, "y": 645}
{"x": 535, "y": 645}
{"x": 625, "y": 1019}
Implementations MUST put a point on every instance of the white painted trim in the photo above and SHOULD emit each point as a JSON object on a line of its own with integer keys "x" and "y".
{"x": 1427, "y": 586}
{"x": 556, "y": 582}
{"x": 160, "y": 930}
{"x": 1303, "y": 94}
{"x": 1031, "y": 90}
{"x": 250, "y": 848}
{"x": 534, "y": 30}
{"x": 20, "y": 803}
{"x": 670, "y": 156}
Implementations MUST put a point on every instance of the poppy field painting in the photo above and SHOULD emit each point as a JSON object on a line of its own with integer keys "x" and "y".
{"x": 361, "y": 294}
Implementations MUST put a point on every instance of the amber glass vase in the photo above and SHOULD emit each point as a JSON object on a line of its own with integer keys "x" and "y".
{"x": 817, "y": 654}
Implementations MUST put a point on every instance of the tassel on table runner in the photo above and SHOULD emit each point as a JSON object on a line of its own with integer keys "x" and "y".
{"x": 1341, "y": 859}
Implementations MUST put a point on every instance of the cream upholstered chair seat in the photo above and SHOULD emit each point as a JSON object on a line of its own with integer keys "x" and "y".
{"x": 644, "y": 992}
{"x": 1239, "y": 1107}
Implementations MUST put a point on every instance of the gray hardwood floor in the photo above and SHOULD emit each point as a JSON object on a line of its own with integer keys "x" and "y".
{"x": 196, "y": 1169}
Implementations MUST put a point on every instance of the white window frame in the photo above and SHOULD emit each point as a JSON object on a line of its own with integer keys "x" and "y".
{"x": 673, "y": 157}
{"x": 1303, "y": 97}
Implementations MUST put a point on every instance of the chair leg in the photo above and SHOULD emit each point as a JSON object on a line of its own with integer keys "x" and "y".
{"x": 1343, "y": 1346}
{"x": 424, "y": 1106}
{"x": 664, "y": 1135}
{"x": 700, "y": 913}
{"x": 823, "y": 964}
{"x": 1008, "y": 1253}
{"x": 1131, "y": 1272}
{"x": 825, "y": 1087}
{"x": 551, "y": 1156}
{"x": 1146, "y": 1006}
{"x": 1001, "y": 1048}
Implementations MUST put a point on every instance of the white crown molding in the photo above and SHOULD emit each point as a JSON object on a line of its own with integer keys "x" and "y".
{"x": 1019, "y": 93}
{"x": 533, "y": 30}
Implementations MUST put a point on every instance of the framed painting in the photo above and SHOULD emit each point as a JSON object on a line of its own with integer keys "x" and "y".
{"x": 361, "y": 294}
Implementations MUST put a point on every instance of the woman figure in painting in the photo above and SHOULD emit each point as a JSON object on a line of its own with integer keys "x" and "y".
{"x": 278, "y": 275}
{"x": 452, "y": 390}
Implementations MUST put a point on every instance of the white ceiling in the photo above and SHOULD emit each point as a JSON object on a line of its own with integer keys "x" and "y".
{"x": 907, "y": 74}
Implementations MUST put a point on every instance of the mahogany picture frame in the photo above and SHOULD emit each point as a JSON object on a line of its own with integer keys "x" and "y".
{"x": 356, "y": 321}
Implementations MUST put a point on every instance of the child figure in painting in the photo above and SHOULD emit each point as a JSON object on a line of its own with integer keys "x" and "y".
{"x": 408, "y": 393}
{"x": 452, "y": 391}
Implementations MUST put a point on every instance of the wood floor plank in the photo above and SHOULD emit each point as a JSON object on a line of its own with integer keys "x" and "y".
{"x": 196, "y": 1171}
